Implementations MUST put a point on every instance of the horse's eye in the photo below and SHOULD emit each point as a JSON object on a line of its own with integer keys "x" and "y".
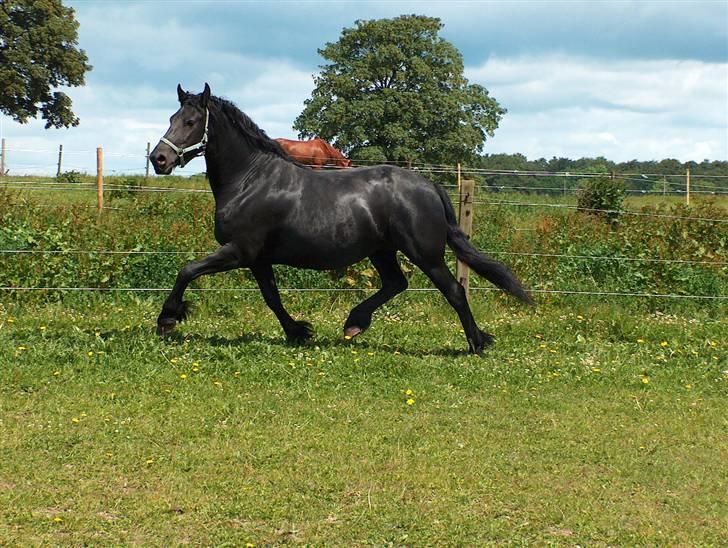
{"x": 189, "y": 123}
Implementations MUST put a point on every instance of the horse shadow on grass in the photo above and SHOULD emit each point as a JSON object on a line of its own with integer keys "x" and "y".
{"x": 320, "y": 342}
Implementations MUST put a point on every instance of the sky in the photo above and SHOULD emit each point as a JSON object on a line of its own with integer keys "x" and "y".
{"x": 638, "y": 79}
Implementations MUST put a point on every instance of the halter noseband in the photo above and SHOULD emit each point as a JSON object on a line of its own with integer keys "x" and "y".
{"x": 201, "y": 145}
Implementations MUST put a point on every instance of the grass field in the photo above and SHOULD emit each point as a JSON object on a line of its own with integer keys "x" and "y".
{"x": 593, "y": 420}
{"x": 587, "y": 423}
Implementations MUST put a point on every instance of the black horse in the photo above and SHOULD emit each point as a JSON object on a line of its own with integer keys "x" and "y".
{"x": 270, "y": 210}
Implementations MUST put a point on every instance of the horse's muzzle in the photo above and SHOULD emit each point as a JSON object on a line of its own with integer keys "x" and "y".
{"x": 163, "y": 159}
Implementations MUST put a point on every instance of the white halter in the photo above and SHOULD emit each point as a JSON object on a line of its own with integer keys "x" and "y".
{"x": 200, "y": 146}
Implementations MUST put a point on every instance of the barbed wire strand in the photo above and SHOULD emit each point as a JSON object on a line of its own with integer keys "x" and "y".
{"x": 352, "y": 289}
{"x": 202, "y": 253}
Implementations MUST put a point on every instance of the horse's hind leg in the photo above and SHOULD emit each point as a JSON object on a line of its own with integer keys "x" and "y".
{"x": 295, "y": 331}
{"x": 393, "y": 283}
{"x": 455, "y": 294}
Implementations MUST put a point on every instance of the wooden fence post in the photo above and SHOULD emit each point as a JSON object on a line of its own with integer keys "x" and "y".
{"x": 467, "y": 189}
{"x": 60, "y": 160}
{"x": 687, "y": 186}
{"x": 100, "y": 178}
{"x": 3, "y": 151}
{"x": 146, "y": 171}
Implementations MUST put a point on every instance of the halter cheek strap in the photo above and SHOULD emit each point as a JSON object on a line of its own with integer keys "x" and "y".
{"x": 200, "y": 146}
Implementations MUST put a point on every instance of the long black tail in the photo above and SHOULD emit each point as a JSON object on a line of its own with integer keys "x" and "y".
{"x": 488, "y": 268}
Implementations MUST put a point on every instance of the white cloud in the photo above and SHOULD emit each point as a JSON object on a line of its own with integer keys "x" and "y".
{"x": 572, "y": 107}
{"x": 122, "y": 120}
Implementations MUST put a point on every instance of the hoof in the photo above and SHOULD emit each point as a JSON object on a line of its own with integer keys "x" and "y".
{"x": 486, "y": 339}
{"x": 352, "y": 331}
{"x": 164, "y": 329}
{"x": 300, "y": 332}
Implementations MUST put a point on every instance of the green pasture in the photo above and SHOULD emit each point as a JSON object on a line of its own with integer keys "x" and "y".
{"x": 587, "y": 422}
{"x": 593, "y": 420}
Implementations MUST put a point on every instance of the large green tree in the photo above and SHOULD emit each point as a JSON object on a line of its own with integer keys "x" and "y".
{"x": 38, "y": 54}
{"x": 394, "y": 90}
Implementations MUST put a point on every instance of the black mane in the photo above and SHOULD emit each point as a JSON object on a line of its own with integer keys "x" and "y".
{"x": 249, "y": 130}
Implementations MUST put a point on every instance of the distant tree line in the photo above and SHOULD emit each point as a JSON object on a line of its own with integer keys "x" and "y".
{"x": 637, "y": 175}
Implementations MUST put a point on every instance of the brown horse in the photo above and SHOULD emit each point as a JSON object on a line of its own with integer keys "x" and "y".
{"x": 316, "y": 153}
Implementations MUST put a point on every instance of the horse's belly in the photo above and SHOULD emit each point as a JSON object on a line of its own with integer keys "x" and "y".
{"x": 320, "y": 252}
{"x": 319, "y": 258}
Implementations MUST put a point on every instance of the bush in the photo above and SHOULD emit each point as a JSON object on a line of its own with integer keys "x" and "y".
{"x": 69, "y": 177}
{"x": 601, "y": 196}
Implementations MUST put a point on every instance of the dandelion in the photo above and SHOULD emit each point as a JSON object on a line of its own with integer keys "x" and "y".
{"x": 410, "y": 401}
{"x": 641, "y": 341}
{"x": 43, "y": 328}
{"x": 645, "y": 380}
{"x": 408, "y": 392}
{"x": 713, "y": 344}
{"x": 90, "y": 353}
{"x": 74, "y": 420}
{"x": 596, "y": 370}
{"x": 149, "y": 461}
{"x": 249, "y": 545}
{"x": 183, "y": 376}
{"x": 664, "y": 344}
{"x": 57, "y": 519}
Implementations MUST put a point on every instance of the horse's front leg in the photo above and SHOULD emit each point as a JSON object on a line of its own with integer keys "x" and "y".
{"x": 296, "y": 331}
{"x": 175, "y": 309}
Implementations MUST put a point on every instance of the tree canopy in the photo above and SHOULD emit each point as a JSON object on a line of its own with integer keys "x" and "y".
{"x": 38, "y": 53}
{"x": 394, "y": 90}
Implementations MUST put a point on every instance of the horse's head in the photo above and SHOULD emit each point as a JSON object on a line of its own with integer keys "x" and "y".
{"x": 186, "y": 137}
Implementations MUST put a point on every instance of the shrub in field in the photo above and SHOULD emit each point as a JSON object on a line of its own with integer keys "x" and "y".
{"x": 126, "y": 187}
{"x": 601, "y": 195}
{"x": 69, "y": 177}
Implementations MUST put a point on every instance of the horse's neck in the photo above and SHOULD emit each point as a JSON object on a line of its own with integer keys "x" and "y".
{"x": 229, "y": 160}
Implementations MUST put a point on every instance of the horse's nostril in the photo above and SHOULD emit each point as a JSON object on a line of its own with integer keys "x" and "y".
{"x": 159, "y": 160}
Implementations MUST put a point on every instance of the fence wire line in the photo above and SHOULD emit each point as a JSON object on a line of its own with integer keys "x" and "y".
{"x": 485, "y": 187}
{"x": 481, "y": 202}
{"x": 352, "y": 289}
{"x": 201, "y": 253}
{"x": 416, "y": 164}
{"x": 616, "y": 211}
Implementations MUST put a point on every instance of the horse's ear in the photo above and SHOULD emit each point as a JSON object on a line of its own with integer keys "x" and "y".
{"x": 181, "y": 94}
{"x": 206, "y": 95}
